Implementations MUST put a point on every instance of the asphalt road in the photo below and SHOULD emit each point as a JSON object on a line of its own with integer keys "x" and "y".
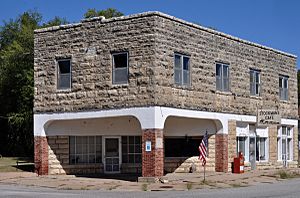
{"x": 289, "y": 188}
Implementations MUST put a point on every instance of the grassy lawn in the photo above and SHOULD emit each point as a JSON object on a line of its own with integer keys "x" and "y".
{"x": 9, "y": 164}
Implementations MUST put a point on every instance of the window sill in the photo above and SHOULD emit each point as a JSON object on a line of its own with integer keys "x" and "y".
{"x": 226, "y": 93}
{"x": 255, "y": 97}
{"x": 177, "y": 86}
{"x": 63, "y": 90}
{"x": 283, "y": 101}
{"x": 120, "y": 85}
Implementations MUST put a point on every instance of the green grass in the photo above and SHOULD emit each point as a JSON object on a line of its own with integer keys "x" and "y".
{"x": 9, "y": 164}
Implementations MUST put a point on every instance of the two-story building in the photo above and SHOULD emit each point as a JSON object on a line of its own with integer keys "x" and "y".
{"x": 137, "y": 93}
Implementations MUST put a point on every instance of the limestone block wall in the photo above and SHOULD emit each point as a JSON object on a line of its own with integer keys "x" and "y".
{"x": 205, "y": 48}
{"x": 231, "y": 143}
{"x": 151, "y": 39}
{"x": 90, "y": 45}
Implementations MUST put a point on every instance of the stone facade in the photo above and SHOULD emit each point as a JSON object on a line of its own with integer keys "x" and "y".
{"x": 151, "y": 39}
{"x": 221, "y": 156}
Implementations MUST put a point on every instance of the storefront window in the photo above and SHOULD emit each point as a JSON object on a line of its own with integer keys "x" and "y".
{"x": 85, "y": 149}
{"x": 285, "y": 143}
{"x": 182, "y": 146}
{"x": 131, "y": 149}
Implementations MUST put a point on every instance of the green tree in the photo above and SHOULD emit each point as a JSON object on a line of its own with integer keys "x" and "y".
{"x": 16, "y": 82}
{"x": 108, "y": 13}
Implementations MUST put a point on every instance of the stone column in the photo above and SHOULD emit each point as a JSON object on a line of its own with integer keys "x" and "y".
{"x": 153, "y": 161}
{"x": 221, "y": 153}
{"x": 295, "y": 146}
{"x": 41, "y": 155}
{"x": 273, "y": 144}
{"x": 231, "y": 142}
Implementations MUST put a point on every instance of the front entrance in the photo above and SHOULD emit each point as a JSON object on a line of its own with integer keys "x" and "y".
{"x": 112, "y": 155}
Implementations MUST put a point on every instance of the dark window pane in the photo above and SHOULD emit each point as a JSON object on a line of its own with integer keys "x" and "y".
{"x": 137, "y": 139}
{"x": 120, "y": 60}
{"x": 131, "y": 148}
{"x": 225, "y": 71}
{"x": 178, "y": 61}
{"x": 218, "y": 70}
{"x": 186, "y": 62}
{"x": 285, "y": 85}
{"x": 125, "y": 158}
{"x": 138, "y": 148}
{"x": 124, "y": 149}
{"x": 124, "y": 139}
{"x": 138, "y": 158}
{"x": 178, "y": 76}
{"x": 64, "y": 66}
{"x": 131, "y": 158}
{"x": 131, "y": 139}
{"x": 98, "y": 139}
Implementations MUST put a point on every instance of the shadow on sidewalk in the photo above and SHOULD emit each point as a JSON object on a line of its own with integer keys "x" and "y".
{"x": 124, "y": 177}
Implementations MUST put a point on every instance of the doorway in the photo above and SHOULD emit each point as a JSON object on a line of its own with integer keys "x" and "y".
{"x": 112, "y": 155}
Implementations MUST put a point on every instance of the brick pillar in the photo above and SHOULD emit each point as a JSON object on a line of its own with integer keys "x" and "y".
{"x": 221, "y": 153}
{"x": 153, "y": 161}
{"x": 41, "y": 155}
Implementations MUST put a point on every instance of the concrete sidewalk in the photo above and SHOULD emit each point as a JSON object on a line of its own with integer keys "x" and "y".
{"x": 176, "y": 181}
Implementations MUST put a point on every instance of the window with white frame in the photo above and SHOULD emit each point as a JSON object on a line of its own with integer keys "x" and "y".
{"x": 283, "y": 87}
{"x": 261, "y": 148}
{"x": 285, "y": 143}
{"x": 222, "y": 77}
{"x": 64, "y": 74}
{"x": 254, "y": 82}
{"x": 131, "y": 149}
{"x": 182, "y": 69}
{"x": 85, "y": 149}
{"x": 120, "y": 68}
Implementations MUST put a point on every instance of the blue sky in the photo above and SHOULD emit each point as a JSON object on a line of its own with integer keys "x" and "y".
{"x": 274, "y": 23}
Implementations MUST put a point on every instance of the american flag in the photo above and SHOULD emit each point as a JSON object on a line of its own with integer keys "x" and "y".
{"x": 203, "y": 149}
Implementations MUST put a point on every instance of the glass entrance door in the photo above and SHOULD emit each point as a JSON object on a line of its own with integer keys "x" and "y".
{"x": 111, "y": 155}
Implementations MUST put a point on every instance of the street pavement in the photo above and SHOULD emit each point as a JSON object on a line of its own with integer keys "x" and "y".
{"x": 288, "y": 188}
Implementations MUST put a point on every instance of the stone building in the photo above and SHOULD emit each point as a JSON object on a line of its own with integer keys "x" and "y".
{"x": 136, "y": 94}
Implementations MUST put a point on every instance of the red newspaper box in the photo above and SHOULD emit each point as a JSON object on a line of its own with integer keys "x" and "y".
{"x": 238, "y": 163}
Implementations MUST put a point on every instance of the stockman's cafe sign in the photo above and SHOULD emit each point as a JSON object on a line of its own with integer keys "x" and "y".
{"x": 267, "y": 117}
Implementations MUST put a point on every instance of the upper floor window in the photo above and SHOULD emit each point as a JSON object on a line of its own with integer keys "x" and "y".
{"x": 120, "y": 68}
{"x": 222, "y": 77}
{"x": 64, "y": 74}
{"x": 254, "y": 82}
{"x": 182, "y": 69}
{"x": 283, "y": 87}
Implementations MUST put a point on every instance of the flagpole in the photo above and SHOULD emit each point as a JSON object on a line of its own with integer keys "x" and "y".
{"x": 204, "y": 172}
